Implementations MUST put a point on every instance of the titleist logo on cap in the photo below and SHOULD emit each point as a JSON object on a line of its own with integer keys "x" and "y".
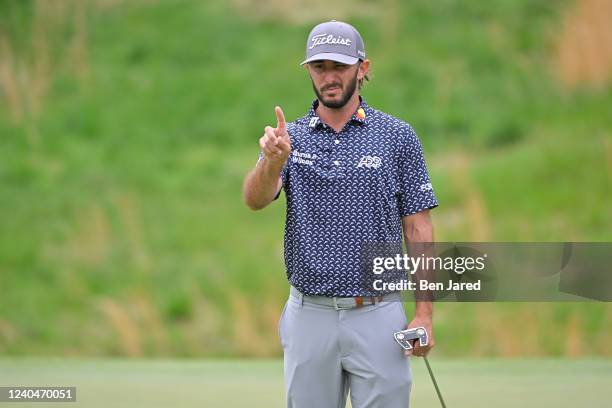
{"x": 321, "y": 39}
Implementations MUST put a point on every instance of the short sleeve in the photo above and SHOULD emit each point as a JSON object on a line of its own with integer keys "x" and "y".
{"x": 415, "y": 189}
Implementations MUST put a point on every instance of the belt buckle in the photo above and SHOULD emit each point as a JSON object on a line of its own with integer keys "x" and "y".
{"x": 341, "y": 306}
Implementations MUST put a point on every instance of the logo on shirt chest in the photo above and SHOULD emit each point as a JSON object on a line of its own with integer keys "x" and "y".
{"x": 370, "y": 162}
{"x": 303, "y": 158}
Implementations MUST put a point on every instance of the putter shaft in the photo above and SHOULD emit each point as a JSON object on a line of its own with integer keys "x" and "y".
{"x": 433, "y": 379}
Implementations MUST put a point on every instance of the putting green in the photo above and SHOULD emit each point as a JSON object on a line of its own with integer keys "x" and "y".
{"x": 257, "y": 383}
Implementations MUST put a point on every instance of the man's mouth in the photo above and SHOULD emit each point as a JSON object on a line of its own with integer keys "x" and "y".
{"x": 331, "y": 88}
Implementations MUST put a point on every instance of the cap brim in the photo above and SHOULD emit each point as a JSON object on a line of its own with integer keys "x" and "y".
{"x": 344, "y": 59}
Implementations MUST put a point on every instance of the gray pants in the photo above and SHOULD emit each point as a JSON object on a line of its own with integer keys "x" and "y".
{"x": 328, "y": 351}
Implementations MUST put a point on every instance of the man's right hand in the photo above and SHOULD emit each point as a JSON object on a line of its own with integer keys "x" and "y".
{"x": 264, "y": 182}
{"x": 275, "y": 142}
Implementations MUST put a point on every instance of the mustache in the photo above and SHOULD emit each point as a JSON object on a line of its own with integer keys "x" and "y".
{"x": 335, "y": 84}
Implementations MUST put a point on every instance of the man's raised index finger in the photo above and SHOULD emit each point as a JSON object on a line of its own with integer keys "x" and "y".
{"x": 280, "y": 118}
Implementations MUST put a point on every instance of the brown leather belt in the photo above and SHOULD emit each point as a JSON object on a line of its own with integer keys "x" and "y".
{"x": 372, "y": 300}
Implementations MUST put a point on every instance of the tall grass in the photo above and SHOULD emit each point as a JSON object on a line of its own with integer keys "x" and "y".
{"x": 126, "y": 129}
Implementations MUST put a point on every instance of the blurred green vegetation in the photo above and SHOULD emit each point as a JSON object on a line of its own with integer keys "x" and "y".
{"x": 126, "y": 129}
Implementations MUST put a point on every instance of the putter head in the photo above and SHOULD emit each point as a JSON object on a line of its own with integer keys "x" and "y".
{"x": 404, "y": 338}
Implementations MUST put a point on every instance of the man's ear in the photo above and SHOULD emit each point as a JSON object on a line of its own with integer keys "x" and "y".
{"x": 364, "y": 68}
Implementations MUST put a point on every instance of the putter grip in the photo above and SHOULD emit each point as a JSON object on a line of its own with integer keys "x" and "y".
{"x": 405, "y": 337}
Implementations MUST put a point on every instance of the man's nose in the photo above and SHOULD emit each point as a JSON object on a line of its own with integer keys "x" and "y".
{"x": 331, "y": 75}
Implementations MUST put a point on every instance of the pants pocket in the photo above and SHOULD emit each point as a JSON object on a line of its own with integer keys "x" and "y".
{"x": 280, "y": 325}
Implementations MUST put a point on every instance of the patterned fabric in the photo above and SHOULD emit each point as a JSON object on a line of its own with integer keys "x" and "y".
{"x": 345, "y": 191}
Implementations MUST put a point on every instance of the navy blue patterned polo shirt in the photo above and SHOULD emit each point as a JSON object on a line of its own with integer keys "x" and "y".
{"x": 345, "y": 190}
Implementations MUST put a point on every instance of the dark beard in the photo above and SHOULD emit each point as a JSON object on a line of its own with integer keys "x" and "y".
{"x": 350, "y": 90}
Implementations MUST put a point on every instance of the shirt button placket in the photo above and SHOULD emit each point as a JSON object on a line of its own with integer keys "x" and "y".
{"x": 337, "y": 162}
{"x": 337, "y": 142}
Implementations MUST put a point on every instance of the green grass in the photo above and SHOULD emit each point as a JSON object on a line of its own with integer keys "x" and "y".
{"x": 218, "y": 383}
{"x": 121, "y": 195}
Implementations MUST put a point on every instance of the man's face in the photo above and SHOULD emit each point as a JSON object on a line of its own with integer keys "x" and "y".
{"x": 333, "y": 82}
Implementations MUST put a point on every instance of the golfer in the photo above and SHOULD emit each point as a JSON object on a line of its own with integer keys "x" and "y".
{"x": 352, "y": 175}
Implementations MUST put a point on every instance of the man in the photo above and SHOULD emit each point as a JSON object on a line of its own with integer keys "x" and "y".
{"x": 352, "y": 175}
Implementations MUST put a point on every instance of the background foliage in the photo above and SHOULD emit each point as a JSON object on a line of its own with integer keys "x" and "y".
{"x": 126, "y": 129}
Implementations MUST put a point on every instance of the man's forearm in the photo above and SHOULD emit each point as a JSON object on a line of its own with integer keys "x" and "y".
{"x": 418, "y": 234}
{"x": 262, "y": 184}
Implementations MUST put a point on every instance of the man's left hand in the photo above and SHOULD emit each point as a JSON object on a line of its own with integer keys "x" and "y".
{"x": 419, "y": 350}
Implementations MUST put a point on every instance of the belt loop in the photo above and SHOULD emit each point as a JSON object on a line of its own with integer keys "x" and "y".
{"x": 297, "y": 294}
{"x": 335, "y": 302}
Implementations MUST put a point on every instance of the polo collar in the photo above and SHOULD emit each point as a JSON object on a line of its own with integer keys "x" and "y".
{"x": 360, "y": 115}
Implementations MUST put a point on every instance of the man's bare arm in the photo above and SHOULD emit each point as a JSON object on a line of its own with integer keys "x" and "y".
{"x": 418, "y": 229}
{"x": 263, "y": 183}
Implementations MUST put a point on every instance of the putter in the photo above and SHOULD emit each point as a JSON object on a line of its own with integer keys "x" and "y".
{"x": 405, "y": 338}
